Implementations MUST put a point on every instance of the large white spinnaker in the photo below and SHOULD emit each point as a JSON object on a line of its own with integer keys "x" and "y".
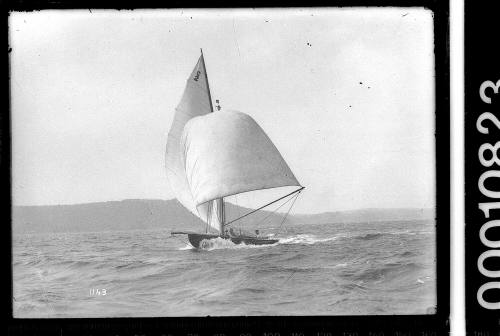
{"x": 195, "y": 102}
{"x": 227, "y": 153}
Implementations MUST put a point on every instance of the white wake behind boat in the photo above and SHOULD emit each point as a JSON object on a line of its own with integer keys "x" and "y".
{"x": 213, "y": 155}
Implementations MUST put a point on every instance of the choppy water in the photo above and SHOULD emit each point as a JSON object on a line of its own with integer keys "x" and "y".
{"x": 365, "y": 268}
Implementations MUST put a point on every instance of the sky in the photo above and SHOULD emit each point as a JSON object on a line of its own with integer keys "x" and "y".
{"x": 346, "y": 95}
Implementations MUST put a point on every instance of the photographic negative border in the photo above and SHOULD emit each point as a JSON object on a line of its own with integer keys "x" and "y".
{"x": 482, "y": 70}
{"x": 433, "y": 324}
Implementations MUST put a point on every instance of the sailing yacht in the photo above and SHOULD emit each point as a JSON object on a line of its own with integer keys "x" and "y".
{"x": 213, "y": 155}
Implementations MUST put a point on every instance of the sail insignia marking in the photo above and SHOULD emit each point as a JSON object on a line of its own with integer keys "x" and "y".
{"x": 197, "y": 76}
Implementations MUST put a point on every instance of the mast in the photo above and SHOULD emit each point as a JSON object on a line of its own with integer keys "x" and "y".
{"x": 221, "y": 213}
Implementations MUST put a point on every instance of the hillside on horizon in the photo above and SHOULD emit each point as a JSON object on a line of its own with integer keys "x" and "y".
{"x": 134, "y": 214}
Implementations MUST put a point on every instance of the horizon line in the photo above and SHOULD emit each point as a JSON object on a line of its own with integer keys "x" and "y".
{"x": 174, "y": 199}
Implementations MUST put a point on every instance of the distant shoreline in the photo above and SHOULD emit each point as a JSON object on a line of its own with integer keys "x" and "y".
{"x": 137, "y": 214}
{"x": 174, "y": 200}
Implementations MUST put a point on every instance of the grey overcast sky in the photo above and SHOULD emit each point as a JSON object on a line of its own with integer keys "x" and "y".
{"x": 346, "y": 95}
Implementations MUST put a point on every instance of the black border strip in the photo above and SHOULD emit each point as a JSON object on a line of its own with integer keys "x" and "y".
{"x": 481, "y": 64}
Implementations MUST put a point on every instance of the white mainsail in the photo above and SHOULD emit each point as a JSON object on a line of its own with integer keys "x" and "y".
{"x": 195, "y": 102}
{"x": 227, "y": 153}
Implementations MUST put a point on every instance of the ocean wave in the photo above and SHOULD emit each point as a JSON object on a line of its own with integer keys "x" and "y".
{"x": 339, "y": 265}
{"x": 250, "y": 290}
{"x": 221, "y": 243}
{"x": 305, "y": 239}
{"x": 369, "y": 236}
{"x": 406, "y": 254}
{"x": 37, "y": 261}
{"x": 405, "y": 232}
{"x": 383, "y": 271}
{"x": 391, "y": 274}
{"x": 422, "y": 280}
{"x": 72, "y": 264}
{"x": 41, "y": 273}
{"x": 154, "y": 260}
{"x": 294, "y": 257}
{"x": 139, "y": 264}
{"x": 355, "y": 286}
{"x": 288, "y": 270}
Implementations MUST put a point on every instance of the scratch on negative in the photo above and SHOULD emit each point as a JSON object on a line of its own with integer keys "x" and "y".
{"x": 236, "y": 39}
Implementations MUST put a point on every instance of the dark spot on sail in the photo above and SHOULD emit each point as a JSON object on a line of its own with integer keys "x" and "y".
{"x": 361, "y": 83}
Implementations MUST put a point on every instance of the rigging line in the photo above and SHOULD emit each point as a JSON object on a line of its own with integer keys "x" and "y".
{"x": 291, "y": 206}
{"x": 274, "y": 211}
{"x": 279, "y": 199}
{"x": 286, "y": 215}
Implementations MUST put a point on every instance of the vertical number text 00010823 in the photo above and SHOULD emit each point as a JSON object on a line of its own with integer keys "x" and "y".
{"x": 493, "y": 245}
